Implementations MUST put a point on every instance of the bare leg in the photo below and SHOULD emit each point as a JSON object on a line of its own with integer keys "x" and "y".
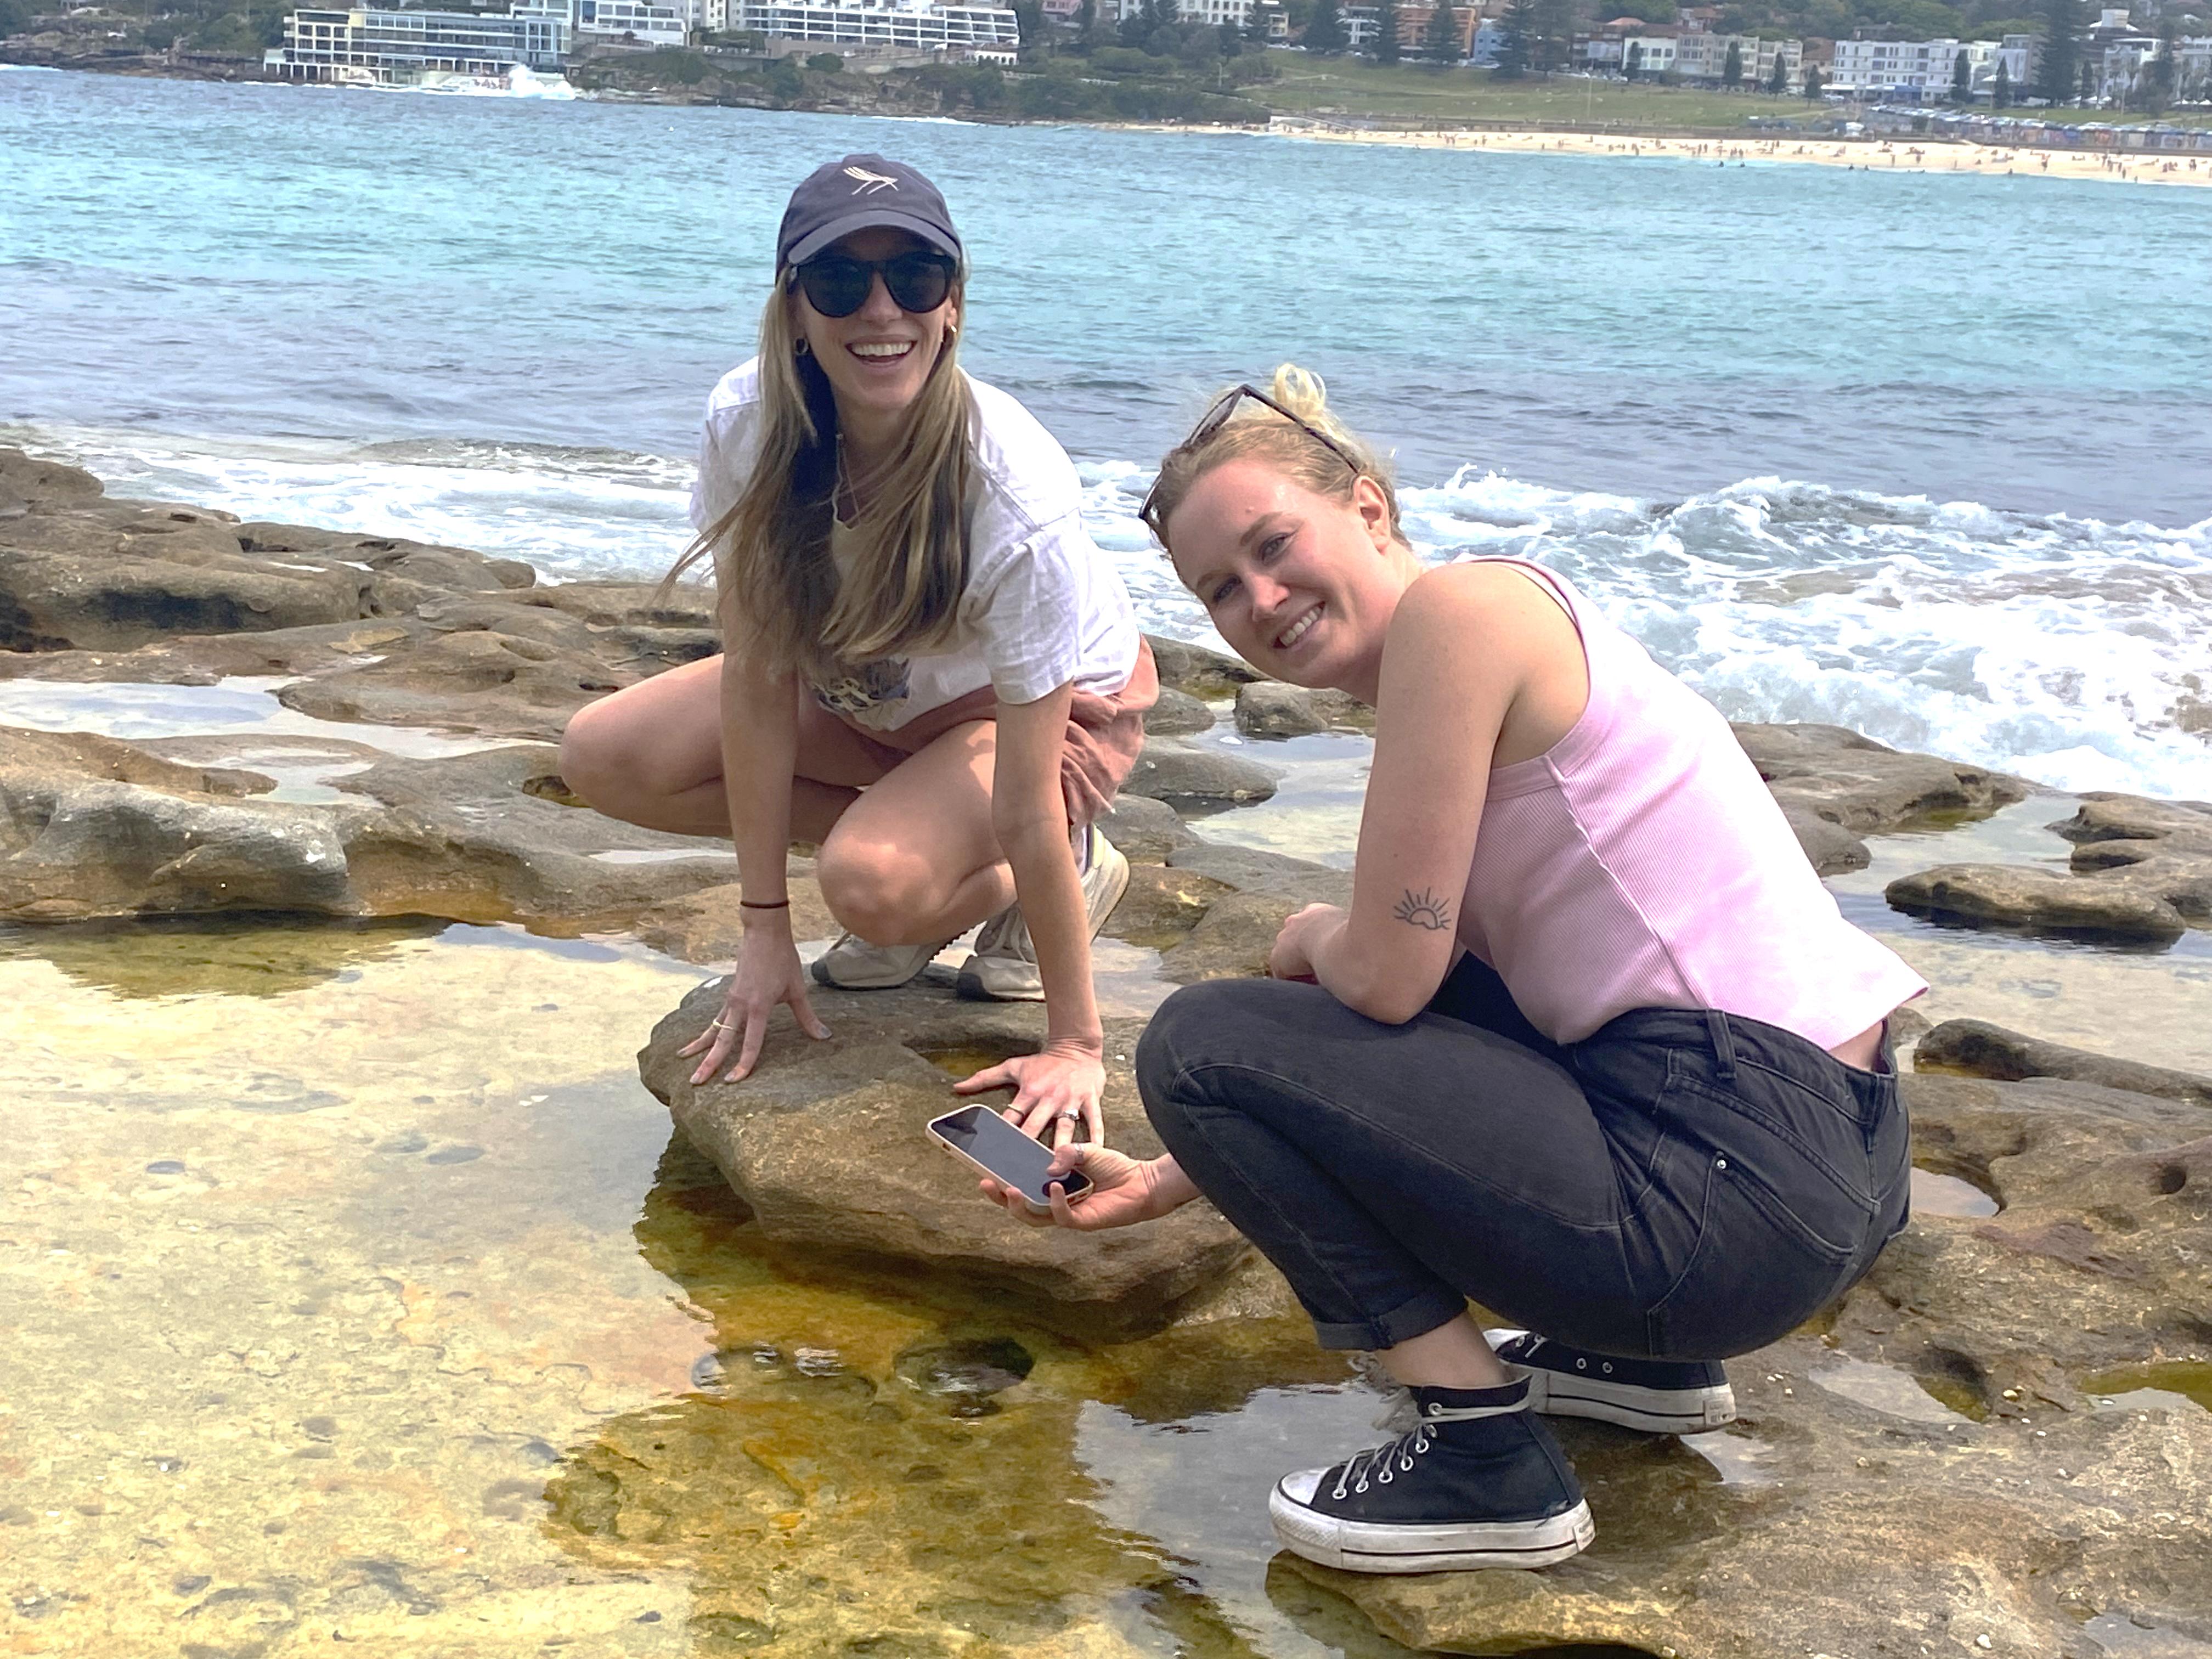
{"x": 1455, "y": 1355}
{"x": 652, "y": 754}
{"x": 916, "y": 858}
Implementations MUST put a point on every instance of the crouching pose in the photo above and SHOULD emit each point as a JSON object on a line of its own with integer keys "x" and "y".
{"x": 1592, "y": 1046}
{"x": 929, "y": 670}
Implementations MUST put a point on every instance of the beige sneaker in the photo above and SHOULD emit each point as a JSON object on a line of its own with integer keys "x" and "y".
{"x": 1004, "y": 966}
{"x": 853, "y": 964}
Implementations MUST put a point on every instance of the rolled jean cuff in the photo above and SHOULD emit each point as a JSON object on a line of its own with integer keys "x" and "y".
{"x": 1438, "y": 1305}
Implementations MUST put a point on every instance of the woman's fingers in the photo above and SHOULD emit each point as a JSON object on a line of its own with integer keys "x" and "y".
{"x": 755, "y": 1034}
{"x": 982, "y": 1082}
{"x": 802, "y": 1012}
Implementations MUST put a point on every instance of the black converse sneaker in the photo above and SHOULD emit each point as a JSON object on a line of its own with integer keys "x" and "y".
{"x": 1663, "y": 1396}
{"x": 1479, "y": 1482}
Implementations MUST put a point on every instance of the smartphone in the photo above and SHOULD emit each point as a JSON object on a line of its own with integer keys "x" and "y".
{"x": 1000, "y": 1150}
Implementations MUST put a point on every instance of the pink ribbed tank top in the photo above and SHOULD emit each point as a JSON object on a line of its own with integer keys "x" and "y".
{"x": 1640, "y": 863}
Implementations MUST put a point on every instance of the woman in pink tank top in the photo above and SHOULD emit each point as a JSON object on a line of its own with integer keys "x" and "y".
{"x": 1591, "y": 1047}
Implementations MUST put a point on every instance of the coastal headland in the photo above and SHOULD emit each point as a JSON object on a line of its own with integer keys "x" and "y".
{"x": 364, "y": 1294}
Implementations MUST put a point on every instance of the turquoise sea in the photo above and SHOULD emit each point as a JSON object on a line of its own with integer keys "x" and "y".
{"x": 1928, "y": 456}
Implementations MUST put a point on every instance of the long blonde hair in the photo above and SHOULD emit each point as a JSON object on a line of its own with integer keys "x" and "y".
{"x": 1254, "y": 431}
{"x": 780, "y": 599}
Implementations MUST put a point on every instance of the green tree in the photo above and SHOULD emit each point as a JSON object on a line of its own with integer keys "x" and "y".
{"x": 1732, "y": 71}
{"x": 1555, "y": 28}
{"x": 827, "y": 62}
{"x": 1778, "y": 83}
{"x": 1813, "y": 83}
{"x": 2088, "y": 81}
{"x": 1962, "y": 77}
{"x": 1441, "y": 43}
{"x": 1028, "y": 22}
{"x": 1386, "y": 33}
{"x": 1228, "y": 42}
{"x": 2157, "y": 86}
{"x": 2001, "y": 88}
{"x": 1632, "y": 65}
{"x": 785, "y": 83}
{"x": 1518, "y": 49}
{"x": 1326, "y": 32}
{"x": 2059, "y": 67}
{"x": 15, "y": 18}
{"x": 1086, "y": 20}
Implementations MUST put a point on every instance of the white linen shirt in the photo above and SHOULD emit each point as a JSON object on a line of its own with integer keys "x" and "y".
{"x": 1043, "y": 607}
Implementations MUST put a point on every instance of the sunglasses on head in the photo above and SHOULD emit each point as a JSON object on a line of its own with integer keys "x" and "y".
{"x": 1217, "y": 417}
{"x": 838, "y": 285}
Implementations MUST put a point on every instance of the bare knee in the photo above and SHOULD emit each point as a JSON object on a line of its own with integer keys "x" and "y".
{"x": 883, "y": 894}
{"x": 596, "y": 762}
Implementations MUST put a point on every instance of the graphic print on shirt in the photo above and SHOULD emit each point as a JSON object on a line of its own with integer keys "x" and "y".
{"x": 862, "y": 693}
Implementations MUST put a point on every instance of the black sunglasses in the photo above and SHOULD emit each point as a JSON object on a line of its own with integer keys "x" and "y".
{"x": 838, "y": 285}
{"x": 1217, "y": 417}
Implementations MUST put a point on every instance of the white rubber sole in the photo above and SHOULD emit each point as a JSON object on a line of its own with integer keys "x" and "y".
{"x": 879, "y": 979}
{"x": 1374, "y": 1546}
{"x": 1009, "y": 983}
{"x": 1654, "y": 1410}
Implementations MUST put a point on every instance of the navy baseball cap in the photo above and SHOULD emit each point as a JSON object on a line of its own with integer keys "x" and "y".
{"x": 862, "y": 193}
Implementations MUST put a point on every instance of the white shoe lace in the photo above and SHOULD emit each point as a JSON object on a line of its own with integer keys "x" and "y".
{"x": 1384, "y": 1464}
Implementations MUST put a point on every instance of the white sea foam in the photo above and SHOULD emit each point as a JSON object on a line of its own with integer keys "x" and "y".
{"x": 2070, "y": 650}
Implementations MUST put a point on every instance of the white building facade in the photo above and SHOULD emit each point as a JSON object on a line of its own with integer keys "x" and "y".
{"x": 912, "y": 25}
{"x": 1704, "y": 58}
{"x": 651, "y": 23}
{"x": 376, "y": 46}
{"x": 1924, "y": 68}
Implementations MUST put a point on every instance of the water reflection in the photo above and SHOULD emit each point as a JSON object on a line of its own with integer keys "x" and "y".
{"x": 235, "y": 954}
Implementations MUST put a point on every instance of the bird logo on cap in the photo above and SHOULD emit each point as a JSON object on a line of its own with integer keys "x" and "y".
{"x": 870, "y": 183}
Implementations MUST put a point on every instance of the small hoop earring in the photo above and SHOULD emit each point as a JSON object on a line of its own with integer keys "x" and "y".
{"x": 802, "y": 350}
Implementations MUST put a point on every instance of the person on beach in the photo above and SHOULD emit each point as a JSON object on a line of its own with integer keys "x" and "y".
{"x": 929, "y": 670}
{"x": 1592, "y": 1048}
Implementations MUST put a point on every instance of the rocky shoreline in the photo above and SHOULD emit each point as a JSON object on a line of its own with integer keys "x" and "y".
{"x": 1959, "y": 1457}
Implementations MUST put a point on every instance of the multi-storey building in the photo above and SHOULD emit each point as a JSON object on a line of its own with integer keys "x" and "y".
{"x": 1700, "y": 55}
{"x": 915, "y": 24}
{"x": 1416, "y": 18}
{"x": 379, "y": 46}
{"x": 1922, "y": 68}
{"x": 651, "y": 23}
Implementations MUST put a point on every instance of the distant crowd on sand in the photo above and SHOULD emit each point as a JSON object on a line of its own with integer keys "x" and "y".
{"x": 1861, "y": 155}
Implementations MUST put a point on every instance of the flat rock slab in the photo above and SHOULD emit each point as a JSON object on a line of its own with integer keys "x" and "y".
{"x": 95, "y": 827}
{"x": 2030, "y": 900}
{"x": 1269, "y": 708}
{"x": 825, "y": 1142}
{"x": 1974, "y": 1047}
{"x": 1170, "y": 769}
{"x": 1850, "y": 1510}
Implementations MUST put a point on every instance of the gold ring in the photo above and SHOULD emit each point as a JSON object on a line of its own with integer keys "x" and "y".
{"x": 719, "y": 1025}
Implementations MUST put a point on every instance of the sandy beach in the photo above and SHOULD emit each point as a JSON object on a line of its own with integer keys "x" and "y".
{"x": 1872, "y": 154}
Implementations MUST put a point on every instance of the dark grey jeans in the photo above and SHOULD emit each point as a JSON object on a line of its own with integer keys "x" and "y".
{"x": 1679, "y": 1185}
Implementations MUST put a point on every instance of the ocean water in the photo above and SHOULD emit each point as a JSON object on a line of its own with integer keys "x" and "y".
{"x": 1931, "y": 457}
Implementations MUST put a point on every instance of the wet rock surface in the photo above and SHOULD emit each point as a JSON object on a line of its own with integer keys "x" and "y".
{"x": 825, "y": 1144}
{"x": 2030, "y": 900}
{"x": 92, "y": 827}
{"x": 1930, "y": 1475}
{"x": 1269, "y": 708}
{"x": 1170, "y": 769}
{"x": 1979, "y": 1049}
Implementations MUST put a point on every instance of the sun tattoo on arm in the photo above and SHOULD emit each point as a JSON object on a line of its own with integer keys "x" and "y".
{"x": 1425, "y": 909}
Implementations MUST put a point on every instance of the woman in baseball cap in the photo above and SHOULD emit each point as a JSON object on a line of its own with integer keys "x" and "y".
{"x": 930, "y": 669}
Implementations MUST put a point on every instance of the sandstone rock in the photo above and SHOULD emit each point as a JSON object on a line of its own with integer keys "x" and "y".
{"x": 1832, "y": 850}
{"x": 1848, "y": 1510}
{"x": 1251, "y": 870}
{"x": 1269, "y": 708}
{"x": 825, "y": 1143}
{"x": 25, "y": 481}
{"x": 2160, "y": 849}
{"x": 708, "y": 926}
{"x": 1978, "y": 1049}
{"x": 470, "y": 681}
{"x": 90, "y": 827}
{"x": 1829, "y": 775}
{"x": 1231, "y": 940}
{"x": 426, "y": 563}
{"x": 1172, "y": 770}
{"x": 632, "y": 605}
{"x": 2037, "y": 900}
{"x": 1162, "y": 905}
{"x": 1146, "y": 831}
{"x": 1206, "y": 675}
{"x": 1177, "y": 714}
{"x": 203, "y": 659}
{"x": 114, "y": 575}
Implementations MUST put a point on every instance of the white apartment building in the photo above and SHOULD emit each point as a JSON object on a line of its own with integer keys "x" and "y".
{"x": 1701, "y": 56}
{"x": 390, "y": 47}
{"x": 913, "y": 24}
{"x": 655, "y": 22}
{"x": 1924, "y": 67}
{"x": 1649, "y": 54}
{"x": 1217, "y": 12}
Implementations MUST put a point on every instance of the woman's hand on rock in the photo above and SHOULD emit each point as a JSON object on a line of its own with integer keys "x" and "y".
{"x": 768, "y": 975}
{"x": 1123, "y": 1190}
{"x": 1292, "y": 957}
{"x": 1056, "y": 1090}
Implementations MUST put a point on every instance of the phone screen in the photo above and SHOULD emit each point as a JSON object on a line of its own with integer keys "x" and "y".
{"x": 1006, "y": 1152}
